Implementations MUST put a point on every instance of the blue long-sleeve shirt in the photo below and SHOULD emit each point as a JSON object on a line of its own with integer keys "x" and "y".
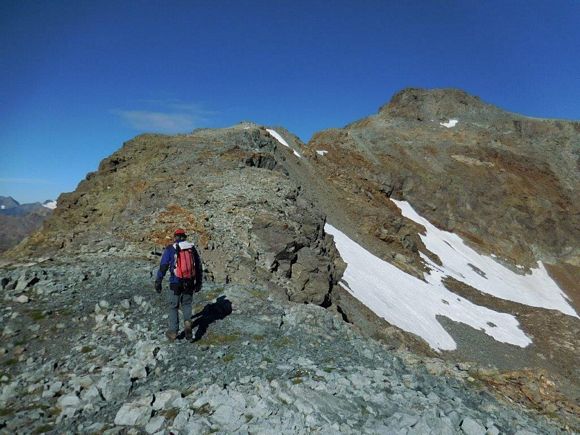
{"x": 167, "y": 263}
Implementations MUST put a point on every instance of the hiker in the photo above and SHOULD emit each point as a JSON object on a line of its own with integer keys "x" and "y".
{"x": 185, "y": 278}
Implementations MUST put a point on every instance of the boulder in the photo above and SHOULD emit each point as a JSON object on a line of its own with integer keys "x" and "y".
{"x": 133, "y": 414}
{"x": 469, "y": 426}
{"x": 165, "y": 399}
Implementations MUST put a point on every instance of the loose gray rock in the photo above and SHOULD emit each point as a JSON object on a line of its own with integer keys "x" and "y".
{"x": 133, "y": 414}
{"x": 471, "y": 427}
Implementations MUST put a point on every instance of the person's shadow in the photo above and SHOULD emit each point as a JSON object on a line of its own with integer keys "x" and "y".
{"x": 217, "y": 310}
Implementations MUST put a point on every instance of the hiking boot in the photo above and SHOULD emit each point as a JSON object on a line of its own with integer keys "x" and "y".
{"x": 171, "y": 335}
{"x": 188, "y": 334}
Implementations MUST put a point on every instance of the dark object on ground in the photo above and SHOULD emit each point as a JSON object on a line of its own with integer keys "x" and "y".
{"x": 217, "y": 310}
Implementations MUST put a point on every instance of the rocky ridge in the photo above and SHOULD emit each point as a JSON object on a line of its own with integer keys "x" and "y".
{"x": 227, "y": 186}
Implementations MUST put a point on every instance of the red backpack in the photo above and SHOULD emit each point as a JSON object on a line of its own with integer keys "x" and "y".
{"x": 184, "y": 261}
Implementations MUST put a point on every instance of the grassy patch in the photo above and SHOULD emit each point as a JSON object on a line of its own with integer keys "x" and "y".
{"x": 37, "y": 315}
{"x": 259, "y": 337}
{"x": 87, "y": 349}
{"x": 229, "y": 357}
{"x": 297, "y": 380}
{"x": 170, "y": 414}
{"x": 216, "y": 339}
{"x": 42, "y": 429}
{"x": 258, "y": 293}
{"x": 54, "y": 411}
{"x": 283, "y": 341}
{"x": 65, "y": 312}
{"x": 328, "y": 369}
{"x": 5, "y": 412}
{"x": 213, "y": 294}
{"x": 11, "y": 362}
{"x": 205, "y": 409}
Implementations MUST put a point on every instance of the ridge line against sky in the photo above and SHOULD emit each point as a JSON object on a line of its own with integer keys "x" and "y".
{"x": 77, "y": 79}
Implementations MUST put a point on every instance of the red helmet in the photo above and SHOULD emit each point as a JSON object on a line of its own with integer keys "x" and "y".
{"x": 179, "y": 232}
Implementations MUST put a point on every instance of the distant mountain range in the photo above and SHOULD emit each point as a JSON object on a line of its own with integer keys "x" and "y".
{"x": 19, "y": 220}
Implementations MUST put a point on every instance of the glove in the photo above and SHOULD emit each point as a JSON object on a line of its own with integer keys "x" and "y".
{"x": 158, "y": 286}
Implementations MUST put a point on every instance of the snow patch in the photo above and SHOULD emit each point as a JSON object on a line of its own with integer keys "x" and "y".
{"x": 321, "y": 152}
{"x": 50, "y": 204}
{"x": 280, "y": 139}
{"x": 2, "y": 206}
{"x": 277, "y": 136}
{"x": 412, "y": 304}
{"x": 536, "y": 289}
{"x": 449, "y": 124}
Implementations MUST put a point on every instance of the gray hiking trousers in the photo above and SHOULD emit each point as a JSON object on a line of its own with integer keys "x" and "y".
{"x": 174, "y": 302}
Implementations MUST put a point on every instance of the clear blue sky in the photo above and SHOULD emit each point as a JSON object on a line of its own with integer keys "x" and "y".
{"x": 77, "y": 78}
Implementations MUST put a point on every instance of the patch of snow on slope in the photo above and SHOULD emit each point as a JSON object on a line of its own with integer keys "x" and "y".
{"x": 2, "y": 206}
{"x": 280, "y": 139}
{"x": 50, "y": 204}
{"x": 277, "y": 136}
{"x": 321, "y": 152}
{"x": 412, "y": 304}
{"x": 449, "y": 124}
{"x": 464, "y": 264}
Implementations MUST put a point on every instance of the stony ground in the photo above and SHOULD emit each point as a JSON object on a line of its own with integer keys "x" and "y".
{"x": 83, "y": 352}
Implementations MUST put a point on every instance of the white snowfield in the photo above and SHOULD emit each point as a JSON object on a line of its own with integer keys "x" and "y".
{"x": 321, "y": 152}
{"x": 412, "y": 304}
{"x": 280, "y": 139}
{"x": 536, "y": 289}
{"x": 449, "y": 124}
{"x": 51, "y": 205}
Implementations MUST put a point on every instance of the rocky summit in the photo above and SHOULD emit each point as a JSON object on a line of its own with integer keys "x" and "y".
{"x": 413, "y": 272}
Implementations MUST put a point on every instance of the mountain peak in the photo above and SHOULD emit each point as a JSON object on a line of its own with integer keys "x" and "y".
{"x": 8, "y": 202}
{"x": 422, "y": 104}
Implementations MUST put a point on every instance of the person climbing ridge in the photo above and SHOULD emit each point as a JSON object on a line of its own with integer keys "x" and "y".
{"x": 182, "y": 260}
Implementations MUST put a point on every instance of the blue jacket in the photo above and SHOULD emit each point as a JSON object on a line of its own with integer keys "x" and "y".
{"x": 167, "y": 263}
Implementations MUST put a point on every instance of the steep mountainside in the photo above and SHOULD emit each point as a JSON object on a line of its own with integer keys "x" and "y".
{"x": 488, "y": 166}
{"x": 506, "y": 184}
{"x": 442, "y": 225}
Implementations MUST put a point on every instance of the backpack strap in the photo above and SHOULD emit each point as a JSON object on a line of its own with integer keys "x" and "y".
{"x": 176, "y": 255}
